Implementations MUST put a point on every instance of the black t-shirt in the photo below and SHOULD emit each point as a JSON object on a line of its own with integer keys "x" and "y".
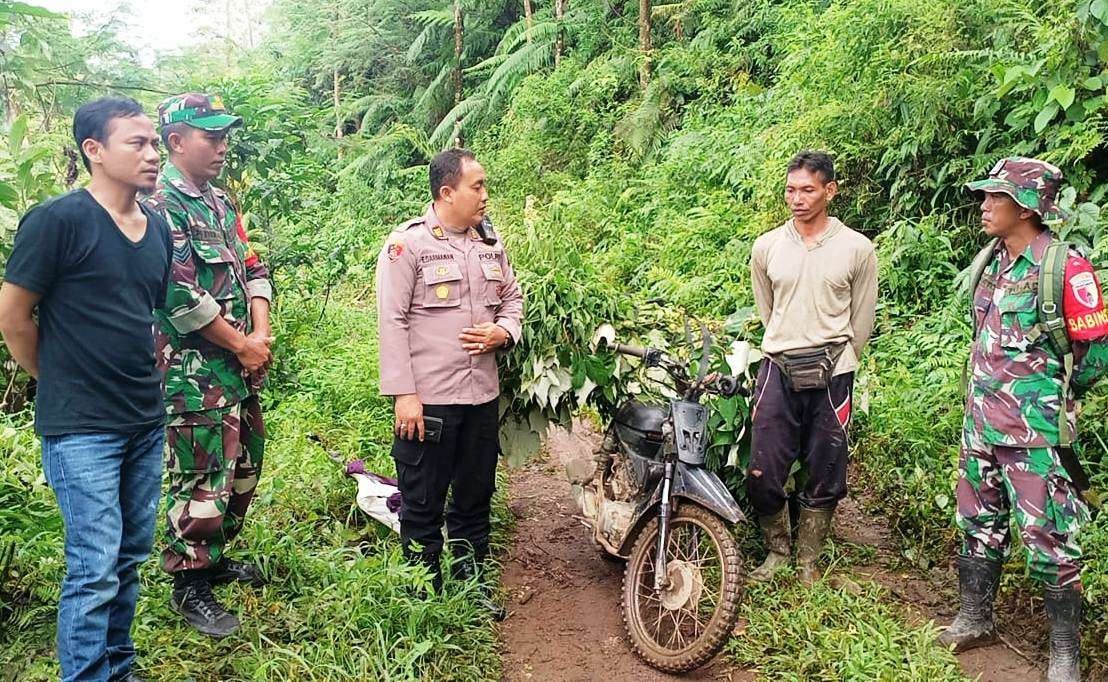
{"x": 99, "y": 290}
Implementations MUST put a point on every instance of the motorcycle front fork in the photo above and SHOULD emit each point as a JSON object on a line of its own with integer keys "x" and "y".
{"x": 661, "y": 575}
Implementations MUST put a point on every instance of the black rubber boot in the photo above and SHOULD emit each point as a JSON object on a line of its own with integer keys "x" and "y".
{"x": 978, "y": 580}
{"x": 468, "y": 566}
{"x": 193, "y": 599}
{"x": 1063, "y": 610}
{"x": 230, "y": 571}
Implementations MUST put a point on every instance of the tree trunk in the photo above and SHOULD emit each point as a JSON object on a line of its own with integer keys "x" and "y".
{"x": 336, "y": 94}
{"x": 644, "y": 42}
{"x": 227, "y": 30}
{"x": 529, "y": 16}
{"x": 249, "y": 25}
{"x": 560, "y": 40}
{"x": 11, "y": 107}
{"x": 459, "y": 45}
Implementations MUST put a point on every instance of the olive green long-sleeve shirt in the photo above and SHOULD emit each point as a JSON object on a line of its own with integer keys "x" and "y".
{"x": 815, "y": 296}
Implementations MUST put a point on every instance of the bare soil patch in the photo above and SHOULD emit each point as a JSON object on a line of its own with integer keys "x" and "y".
{"x": 563, "y": 594}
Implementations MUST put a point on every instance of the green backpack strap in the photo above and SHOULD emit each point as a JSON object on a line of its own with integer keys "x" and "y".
{"x": 975, "y": 272}
{"x": 1052, "y": 280}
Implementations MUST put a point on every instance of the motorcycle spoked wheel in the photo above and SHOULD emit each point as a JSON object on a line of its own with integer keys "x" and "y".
{"x": 685, "y": 625}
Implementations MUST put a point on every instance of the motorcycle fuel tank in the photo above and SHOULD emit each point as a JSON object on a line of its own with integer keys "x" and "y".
{"x": 639, "y": 427}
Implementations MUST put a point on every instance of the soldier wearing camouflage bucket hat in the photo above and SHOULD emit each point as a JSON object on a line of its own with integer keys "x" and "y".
{"x": 213, "y": 343}
{"x": 1021, "y": 407}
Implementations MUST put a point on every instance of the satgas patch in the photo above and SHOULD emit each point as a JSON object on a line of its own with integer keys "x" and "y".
{"x": 395, "y": 250}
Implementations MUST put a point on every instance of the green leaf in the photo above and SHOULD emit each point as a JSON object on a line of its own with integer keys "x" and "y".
{"x": 1063, "y": 95}
{"x": 16, "y": 134}
{"x": 1099, "y": 9}
{"x": 8, "y": 195}
{"x": 1093, "y": 82}
{"x": 1045, "y": 116}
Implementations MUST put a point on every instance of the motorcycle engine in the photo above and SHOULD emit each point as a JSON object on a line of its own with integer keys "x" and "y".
{"x": 605, "y": 490}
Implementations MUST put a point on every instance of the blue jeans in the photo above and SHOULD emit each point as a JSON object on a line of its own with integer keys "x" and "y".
{"x": 107, "y": 486}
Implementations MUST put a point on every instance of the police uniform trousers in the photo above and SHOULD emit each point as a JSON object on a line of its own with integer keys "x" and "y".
{"x": 214, "y": 459}
{"x": 463, "y": 462}
{"x": 788, "y": 425}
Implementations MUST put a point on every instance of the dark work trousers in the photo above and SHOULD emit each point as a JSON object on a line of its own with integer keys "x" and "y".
{"x": 464, "y": 459}
{"x": 788, "y": 424}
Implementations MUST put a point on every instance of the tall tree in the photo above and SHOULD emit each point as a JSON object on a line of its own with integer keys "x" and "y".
{"x": 459, "y": 45}
{"x": 644, "y": 43}
{"x": 560, "y": 41}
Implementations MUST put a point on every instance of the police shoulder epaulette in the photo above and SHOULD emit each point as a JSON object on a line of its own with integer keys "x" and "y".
{"x": 404, "y": 227}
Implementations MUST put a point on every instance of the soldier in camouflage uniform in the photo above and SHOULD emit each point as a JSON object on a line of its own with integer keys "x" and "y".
{"x": 1011, "y": 463}
{"x": 213, "y": 345}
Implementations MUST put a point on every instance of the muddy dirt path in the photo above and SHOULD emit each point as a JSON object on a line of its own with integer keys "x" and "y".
{"x": 563, "y": 596}
{"x": 933, "y": 596}
{"x": 564, "y": 622}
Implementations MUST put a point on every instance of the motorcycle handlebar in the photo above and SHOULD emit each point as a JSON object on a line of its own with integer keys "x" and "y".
{"x": 728, "y": 386}
{"x": 629, "y": 350}
{"x": 725, "y": 385}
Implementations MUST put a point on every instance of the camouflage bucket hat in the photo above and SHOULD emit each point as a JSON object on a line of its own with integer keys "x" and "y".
{"x": 1033, "y": 184}
{"x": 197, "y": 110}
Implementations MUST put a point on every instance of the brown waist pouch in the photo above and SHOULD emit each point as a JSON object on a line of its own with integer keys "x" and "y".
{"x": 811, "y": 368}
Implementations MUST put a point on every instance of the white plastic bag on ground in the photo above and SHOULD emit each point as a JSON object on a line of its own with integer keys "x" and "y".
{"x": 378, "y": 495}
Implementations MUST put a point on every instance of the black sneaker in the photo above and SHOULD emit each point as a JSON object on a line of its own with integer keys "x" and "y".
{"x": 196, "y": 603}
{"x": 230, "y": 571}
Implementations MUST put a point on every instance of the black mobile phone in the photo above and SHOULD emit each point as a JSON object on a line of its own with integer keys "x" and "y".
{"x": 432, "y": 429}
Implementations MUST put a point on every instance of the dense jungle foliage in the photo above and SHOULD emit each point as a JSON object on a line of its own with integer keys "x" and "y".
{"x": 634, "y": 152}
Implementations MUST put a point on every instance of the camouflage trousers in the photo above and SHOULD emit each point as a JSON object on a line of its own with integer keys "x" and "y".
{"x": 997, "y": 482}
{"x": 214, "y": 460}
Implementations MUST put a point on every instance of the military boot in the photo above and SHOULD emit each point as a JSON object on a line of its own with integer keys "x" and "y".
{"x": 230, "y": 571}
{"x": 471, "y": 566}
{"x": 1063, "y": 610}
{"x": 973, "y": 627}
{"x": 814, "y": 526}
{"x": 775, "y": 531}
{"x": 193, "y": 599}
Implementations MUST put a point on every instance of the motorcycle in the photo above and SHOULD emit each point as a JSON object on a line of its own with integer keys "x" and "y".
{"x": 648, "y": 499}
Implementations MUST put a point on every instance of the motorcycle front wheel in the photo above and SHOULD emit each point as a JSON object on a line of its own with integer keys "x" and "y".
{"x": 685, "y": 624}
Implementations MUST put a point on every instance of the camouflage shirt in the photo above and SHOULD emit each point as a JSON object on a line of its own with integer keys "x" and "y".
{"x": 1016, "y": 376}
{"x": 211, "y": 275}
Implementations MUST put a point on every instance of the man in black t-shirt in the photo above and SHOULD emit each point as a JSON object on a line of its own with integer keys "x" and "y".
{"x": 95, "y": 265}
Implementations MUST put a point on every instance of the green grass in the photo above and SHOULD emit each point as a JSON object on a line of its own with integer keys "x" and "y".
{"x": 827, "y": 635}
{"x": 334, "y": 608}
